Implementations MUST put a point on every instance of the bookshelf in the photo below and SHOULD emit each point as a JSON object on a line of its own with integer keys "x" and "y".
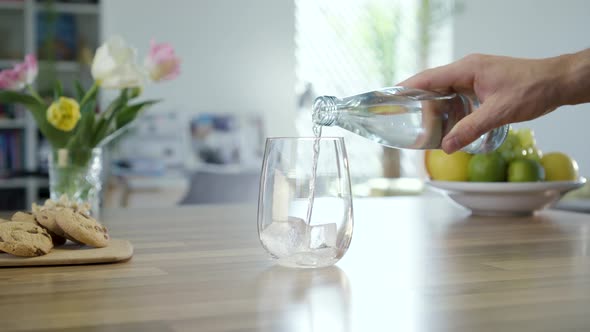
{"x": 6, "y": 63}
{"x": 13, "y": 124}
{"x": 12, "y": 5}
{"x": 23, "y": 25}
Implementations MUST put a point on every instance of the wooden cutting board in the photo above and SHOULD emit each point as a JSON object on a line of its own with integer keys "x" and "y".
{"x": 74, "y": 254}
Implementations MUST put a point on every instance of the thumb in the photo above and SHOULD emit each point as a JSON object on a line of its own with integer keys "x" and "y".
{"x": 471, "y": 128}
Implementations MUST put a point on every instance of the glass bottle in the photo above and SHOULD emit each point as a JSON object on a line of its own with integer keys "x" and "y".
{"x": 404, "y": 118}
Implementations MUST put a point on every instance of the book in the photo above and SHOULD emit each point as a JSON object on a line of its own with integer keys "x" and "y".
{"x": 11, "y": 151}
{"x": 57, "y": 36}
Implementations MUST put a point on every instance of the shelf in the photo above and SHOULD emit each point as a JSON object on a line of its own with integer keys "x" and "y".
{"x": 63, "y": 66}
{"x": 60, "y": 66}
{"x": 73, "y": 8}
{"x": 12, "y": 123}
{"x": 12, "y": 5}
{"x": 67, "y": 66}
{"x": 19, "y": 183}
{"x": 5, "y": 63}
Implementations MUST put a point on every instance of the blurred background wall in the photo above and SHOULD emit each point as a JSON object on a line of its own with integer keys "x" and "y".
{"x": 238, "y": 56}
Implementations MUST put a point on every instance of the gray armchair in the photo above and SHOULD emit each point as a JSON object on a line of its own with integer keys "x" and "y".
{"x": 210, "y": 187}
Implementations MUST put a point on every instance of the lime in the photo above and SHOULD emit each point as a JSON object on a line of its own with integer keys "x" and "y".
{"x": 559, "y": 167}
{"x": 447, "y": 167}
{"x": 489, "y": 167}
{"x": 525, "y": 170}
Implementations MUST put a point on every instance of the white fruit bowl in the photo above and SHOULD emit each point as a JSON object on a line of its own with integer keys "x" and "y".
{"x": 506, "y": 198}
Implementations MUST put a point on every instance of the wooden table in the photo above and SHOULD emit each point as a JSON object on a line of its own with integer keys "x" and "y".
{"x": 415, "y": 264}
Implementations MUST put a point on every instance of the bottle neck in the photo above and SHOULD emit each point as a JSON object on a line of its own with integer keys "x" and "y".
{"x": 325, "y": 111}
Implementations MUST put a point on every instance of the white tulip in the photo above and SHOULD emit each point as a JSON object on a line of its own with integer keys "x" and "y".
{"x": 115, "y": 67}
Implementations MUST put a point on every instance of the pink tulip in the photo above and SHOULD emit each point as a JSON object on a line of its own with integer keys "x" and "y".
{"x": 161, "y": 62}
{"x": 20, "y": 75}
{"x": 9, "y": 80}
{"x": 28, "y": 70}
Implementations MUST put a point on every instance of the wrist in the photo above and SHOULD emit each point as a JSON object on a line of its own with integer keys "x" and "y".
{"x": 575, "y": 82}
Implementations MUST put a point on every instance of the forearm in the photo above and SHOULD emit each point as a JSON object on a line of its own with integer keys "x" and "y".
{"x": 576, "y": 81}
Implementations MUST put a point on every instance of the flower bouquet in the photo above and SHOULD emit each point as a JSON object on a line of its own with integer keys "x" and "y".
{"x": 71, "y": 124}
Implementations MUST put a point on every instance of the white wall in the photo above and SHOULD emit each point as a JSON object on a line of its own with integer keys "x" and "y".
{"x": 533, "y": 28}
{"x": 238, "y": 56}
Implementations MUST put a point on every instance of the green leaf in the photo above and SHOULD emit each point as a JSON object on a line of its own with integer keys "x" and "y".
{"x": 83, "y": 135}
{"x": 117, "y": 115}
{"x": 105, "y": 117}
{"x": 100, "y": 132}
{"x": 56, "y": 137}
{"x": 134, "y": 92}
{"x": 58, "y": 90}
{"x": 89, "y": 118}
{"x": 103, "y": 121}
{"x": 130, "y": 112}
{"x": 36, "y": 108}
{"x": 123, "y": 119}
{"x": 90, "y": 95}
{"x": 116, "y": 104}
{"x": 9, "y": 97}
{"x": 79, "y": 90}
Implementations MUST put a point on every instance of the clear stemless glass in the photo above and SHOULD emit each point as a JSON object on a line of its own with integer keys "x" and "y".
{"x": 285, "y": 187}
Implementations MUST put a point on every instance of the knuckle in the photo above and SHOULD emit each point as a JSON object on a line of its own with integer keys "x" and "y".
{"x": 474, "y": 58}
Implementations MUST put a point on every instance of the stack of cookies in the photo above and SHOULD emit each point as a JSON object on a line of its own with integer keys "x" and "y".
{"x": 36, "y": 233}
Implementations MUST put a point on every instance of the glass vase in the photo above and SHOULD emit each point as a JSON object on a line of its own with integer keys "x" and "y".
{"x": 76, "y": 173}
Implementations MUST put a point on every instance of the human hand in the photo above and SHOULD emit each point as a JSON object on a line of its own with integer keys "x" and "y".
{"x": 509, "y": 90}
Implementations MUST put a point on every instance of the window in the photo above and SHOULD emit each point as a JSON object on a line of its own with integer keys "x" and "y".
{"x": 345, "y": 47}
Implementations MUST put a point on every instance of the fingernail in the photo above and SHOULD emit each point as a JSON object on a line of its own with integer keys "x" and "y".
{"x": 451, "y": 144}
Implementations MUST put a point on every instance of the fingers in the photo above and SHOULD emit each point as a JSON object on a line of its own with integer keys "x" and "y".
{"x": 458, "y": 75}
{"x": 444, "y": 77}
{"x": 470, "y": 128}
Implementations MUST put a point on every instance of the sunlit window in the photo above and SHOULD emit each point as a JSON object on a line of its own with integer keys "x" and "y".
{"x": 345, "y": 47}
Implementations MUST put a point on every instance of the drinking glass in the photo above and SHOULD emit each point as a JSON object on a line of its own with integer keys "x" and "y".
{"x": 284, "y": 202}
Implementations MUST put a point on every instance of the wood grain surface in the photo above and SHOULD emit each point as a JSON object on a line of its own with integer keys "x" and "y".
{"x": 415, "y": 264}
{"x": 72, "y": 254}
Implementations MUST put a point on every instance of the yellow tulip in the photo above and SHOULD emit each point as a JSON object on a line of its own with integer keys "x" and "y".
{"x": 64, "y": 114}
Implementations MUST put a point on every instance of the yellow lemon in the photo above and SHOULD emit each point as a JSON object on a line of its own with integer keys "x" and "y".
{"x": 559, "y": 167}
{"x": 525, "y": 170}
{"x": 489, "y": 167}
{"x": 447, "y": 167}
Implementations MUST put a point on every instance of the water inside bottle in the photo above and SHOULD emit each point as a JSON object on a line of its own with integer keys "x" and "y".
{"x": 404, "y": 118}
{"x": 405, "y": 121}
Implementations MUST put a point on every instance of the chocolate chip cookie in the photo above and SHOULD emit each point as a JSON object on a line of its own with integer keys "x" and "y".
{"x": 82, "y": 228}
{"x": 46, "y": 217}
{"x": 24, "y": 239}
{"x": 24, "y": 217}
{"x": 29, "y": 217}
